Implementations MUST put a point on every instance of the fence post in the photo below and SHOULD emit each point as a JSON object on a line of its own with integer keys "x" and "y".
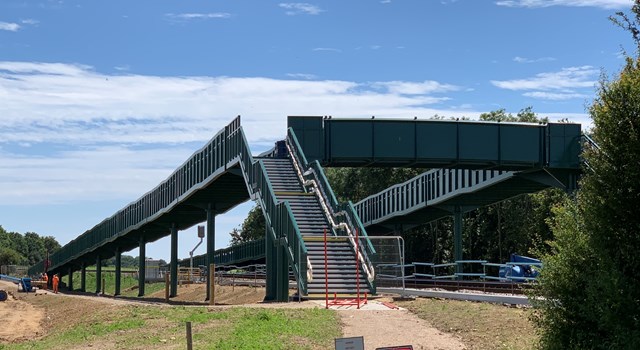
{"x": 189, "y": 338}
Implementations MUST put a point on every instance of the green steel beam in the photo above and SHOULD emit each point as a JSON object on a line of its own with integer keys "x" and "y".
{"x": 98, "y": 274}
{"x": 70, "y": 284}
{"x": 142, "y": 266}
{"x": 83, "y": 278}
{"x": 174, "y": 262}
{"x": 211, "y": 244}
{"x": 271, "y": 278}
{"x": 282, "y": 287}
{"x": 457, "y": 237}
{"x": 118, "y": 271}
{"x": 438, "y": 144}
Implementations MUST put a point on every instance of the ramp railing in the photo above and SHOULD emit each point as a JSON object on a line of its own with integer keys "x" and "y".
{"x": 428, "y": 188}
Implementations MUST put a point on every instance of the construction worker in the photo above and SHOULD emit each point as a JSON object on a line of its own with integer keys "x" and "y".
{"x": 45, "y": 278}
{"x": 56, "y": 279}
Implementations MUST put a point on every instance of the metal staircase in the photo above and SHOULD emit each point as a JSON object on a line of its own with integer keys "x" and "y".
{"x": 311, "y": 219}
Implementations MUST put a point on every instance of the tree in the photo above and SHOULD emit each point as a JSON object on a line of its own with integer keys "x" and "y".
{"x": 9, "y": 256}
{"x": 253, "y": 227}
{"x": 590, "y": 287}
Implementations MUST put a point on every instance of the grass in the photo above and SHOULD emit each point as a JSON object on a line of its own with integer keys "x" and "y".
{"x": 103, "y": 326}
{"x": 126, "y": 281}
{"x": 479, "y": 325}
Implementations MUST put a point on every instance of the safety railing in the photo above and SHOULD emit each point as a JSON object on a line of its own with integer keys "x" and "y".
{"x": 342, "y": 217}
{"x": 425, "y": 189}
{"x": 475, "y": 269}
{"x": 235, "y": 254}
{"x": 278, "y": 216}
{"x": 211, "y": 158}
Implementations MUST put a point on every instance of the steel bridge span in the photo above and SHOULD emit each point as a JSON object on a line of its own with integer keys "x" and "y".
{"x": 476, "y": 163}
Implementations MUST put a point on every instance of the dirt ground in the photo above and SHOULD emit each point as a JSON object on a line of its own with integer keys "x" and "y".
{"x": 379, "y": 325}
{"x": 20, "y": 320}
{"x": 384, "y": 328}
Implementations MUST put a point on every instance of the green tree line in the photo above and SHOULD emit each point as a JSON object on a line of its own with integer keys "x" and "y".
{"x": 27, "y": 249}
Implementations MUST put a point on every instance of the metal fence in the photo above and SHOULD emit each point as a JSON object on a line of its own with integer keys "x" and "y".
{"x": 14, "y": 270}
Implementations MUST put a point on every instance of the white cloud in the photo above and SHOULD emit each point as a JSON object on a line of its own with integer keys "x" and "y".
{"x": 73, "y": 104}
{"x": 555, "y": 96}
{"x": 300, "y": 8}
{"x": 198, "y": 16}
{"x": 375, "y": 47}
{"x": 97, "y": 172}
{"x": 554, "y": 86}
{"x": 116, "y": 136}
{"x": 30, "y": 21}
{"x": 11, "y": 27}
{"x": 326, "y": 49}
{"x": 606, "y": 4}
{"x": 567, "y": 78}
{"x": 385, "y": 1}
{"x": 122, "y": 68}
{"x": 412, "y": 88}
{"x": 533, "y": 60}
{"x": 301, "y": 76}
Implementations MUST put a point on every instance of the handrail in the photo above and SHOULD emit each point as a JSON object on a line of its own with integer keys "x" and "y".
{"x": 312, "y": 174}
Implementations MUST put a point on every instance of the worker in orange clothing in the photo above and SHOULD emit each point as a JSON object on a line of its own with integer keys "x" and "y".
{"x": 56, "y": 279}
{"x": 45, "y": 278}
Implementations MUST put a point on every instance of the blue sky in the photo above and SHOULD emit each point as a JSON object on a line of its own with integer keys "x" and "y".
{"x": 101, "y": 100}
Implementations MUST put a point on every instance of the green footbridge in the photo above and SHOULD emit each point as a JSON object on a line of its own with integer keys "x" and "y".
{"x": 473, "y": 164}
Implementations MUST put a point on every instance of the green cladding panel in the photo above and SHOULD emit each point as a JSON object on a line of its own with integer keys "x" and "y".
{"x": 350, "y": 139}
{"x": 394, "y": 141}
{"x": 310, "y": 134}
{"x": 520, "y": 144}
{"x": 478, "y": 143}
{"x": 437, "y": 141}
{"x": 563, "y": 145}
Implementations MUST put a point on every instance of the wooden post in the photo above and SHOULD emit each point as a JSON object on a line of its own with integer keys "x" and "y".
{"x": 189, "y": 338}
{"x": 212, "y": 280}
{"x": 103, "y": 283}
{"x": 166, "y": 287}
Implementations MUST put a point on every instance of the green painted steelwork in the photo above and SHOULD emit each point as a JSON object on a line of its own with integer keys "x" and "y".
{"x": 142, "y": 266}
{"x": 343, "y": 215}
{"x": 118, "y": 270}
{"x": 438, "y": 144}
{"x": 240, "y": 254}
{"x": 173, "y": 264}
{"x": 83, "y": 278}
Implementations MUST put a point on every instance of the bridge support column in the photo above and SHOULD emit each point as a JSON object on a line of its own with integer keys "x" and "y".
{"x": 270, "y": 279}
{"x": 70, "y": 284}
{"x": 457, "y": 237}
{"x": 98, "y": 274}
{"x": 142, "y": 266}
{"x": 277, "y": 288}
{"x": 118, "y": 270}
{"x": 83, "y": 277}
{"x": 283, "y": 272}
{"x": 174, "y": 261}
{"x": 211, "y": 244}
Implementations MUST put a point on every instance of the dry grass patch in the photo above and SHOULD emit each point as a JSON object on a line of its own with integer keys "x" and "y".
{"x": 480, "y": 325}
